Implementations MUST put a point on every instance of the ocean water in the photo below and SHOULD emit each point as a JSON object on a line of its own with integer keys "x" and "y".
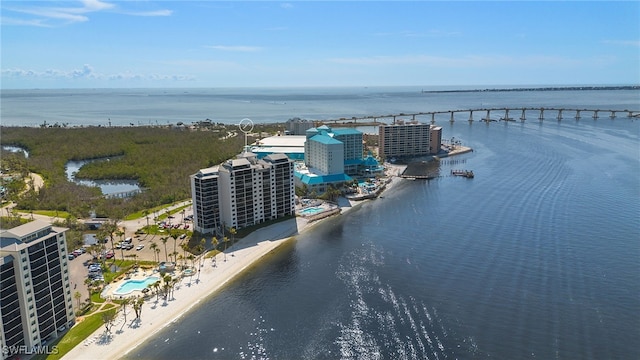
{"x": 125, "y": 107}
{"x": 536, "y": 257}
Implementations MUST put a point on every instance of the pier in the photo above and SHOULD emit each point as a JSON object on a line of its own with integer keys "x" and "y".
{"x": 502, "y": 114}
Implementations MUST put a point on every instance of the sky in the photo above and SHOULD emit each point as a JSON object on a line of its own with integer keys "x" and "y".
{"x": 134, "y": 44}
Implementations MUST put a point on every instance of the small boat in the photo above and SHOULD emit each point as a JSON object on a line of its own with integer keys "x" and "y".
{"x": 465, "y": 173}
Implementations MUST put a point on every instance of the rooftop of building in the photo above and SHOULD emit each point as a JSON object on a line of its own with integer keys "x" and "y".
{"x": 25, "y": 229}
{"x": 14, "y": 239}
{"x": 296, "y": 141}
{"x": 324, "y": 138}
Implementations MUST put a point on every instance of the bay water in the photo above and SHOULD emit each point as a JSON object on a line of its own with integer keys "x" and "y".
{"x": 538, "y": 256}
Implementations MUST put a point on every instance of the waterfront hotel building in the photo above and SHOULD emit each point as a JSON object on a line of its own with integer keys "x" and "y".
{"x": 331, "y": 157}
{"x": 242, "y": 192}
{"x": 409, "y": 140}
{"x": 35, "y": 293}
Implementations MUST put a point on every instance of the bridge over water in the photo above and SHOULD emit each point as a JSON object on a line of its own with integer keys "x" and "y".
{"x": 504, "y": 114}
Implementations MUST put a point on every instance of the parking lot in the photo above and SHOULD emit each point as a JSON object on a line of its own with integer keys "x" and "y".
{"x": 132, "y": 247}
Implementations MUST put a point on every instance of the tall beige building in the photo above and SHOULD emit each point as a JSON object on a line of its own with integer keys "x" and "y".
{"x": 35, "y": 294}
{"x": 408, "y": 140}
{"x": 242, "y": 192}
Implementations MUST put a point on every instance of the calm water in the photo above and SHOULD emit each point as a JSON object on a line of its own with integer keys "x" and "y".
{"x": 125, "y": 107}
{"x": 538, "y": 256}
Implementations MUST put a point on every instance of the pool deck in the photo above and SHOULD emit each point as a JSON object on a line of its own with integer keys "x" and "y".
{"x": 109, "y": 291}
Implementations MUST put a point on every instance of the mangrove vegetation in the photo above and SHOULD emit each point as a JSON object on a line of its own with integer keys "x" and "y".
{"x": 160, "y": 159}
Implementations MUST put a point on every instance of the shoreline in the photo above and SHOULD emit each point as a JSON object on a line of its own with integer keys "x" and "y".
{"x": 158, "y": 314}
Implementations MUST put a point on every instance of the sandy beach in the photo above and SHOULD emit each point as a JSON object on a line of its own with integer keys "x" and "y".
{"x": 155, "y": 315}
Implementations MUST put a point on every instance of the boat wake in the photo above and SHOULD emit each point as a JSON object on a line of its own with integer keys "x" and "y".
{"x": 384, "y": 325}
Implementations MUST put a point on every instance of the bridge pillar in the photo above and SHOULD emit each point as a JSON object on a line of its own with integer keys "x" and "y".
{"x": 595, "y": 114}
{"x": 613, "y": 114}
{"x": 541, "y": 117}
{"x": 506, "y": 115}
{"x": 630, "y": 114}
{"x": 523, "y": 117}
{"x": 577, "y": 114}
{"x": 488, "y": 118}
{"x": 471, "y": 115}
{"x": 433, "y": 118}
{"x": 560, "y": 114}
{"x": 451, "y": 119}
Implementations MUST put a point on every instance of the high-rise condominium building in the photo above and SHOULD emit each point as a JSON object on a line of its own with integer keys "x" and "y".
{"x": 35, "y": 293}
{"x": 407, "y": 140}
{"x": 242, "y": 192}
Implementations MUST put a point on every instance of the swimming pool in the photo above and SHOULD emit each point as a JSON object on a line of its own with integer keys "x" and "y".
{"x": 311, "y": 210}
{"x": 130, "y": 286}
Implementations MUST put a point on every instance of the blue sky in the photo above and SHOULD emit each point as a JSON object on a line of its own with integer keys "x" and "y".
{"x": 101, "y": 43}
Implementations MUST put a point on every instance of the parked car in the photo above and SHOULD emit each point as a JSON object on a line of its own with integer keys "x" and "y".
{"x": 71, "y": 256}
{"x": 77, "y": 252}
{"x": 140, "y": 247}
{"x": 110, "y": 254}
{"x": 94, "y": 267}
{"x": 183, "y": 236}
{"x": 128, "y": 240}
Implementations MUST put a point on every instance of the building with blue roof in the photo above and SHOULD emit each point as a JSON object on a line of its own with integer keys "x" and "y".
{"x": 331, "y": 157}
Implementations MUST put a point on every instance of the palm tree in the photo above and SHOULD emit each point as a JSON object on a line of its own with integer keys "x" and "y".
{"x": 145, "y": 213}
{"x": 185, "y": 247}
{"x": 126, "y": 301}
{"x": 153, "y": 246}
{"x": 166, "y": 285}
{"x": 156, "y": 286}
{"x": 166, "y": 253}
{"x": 233, "y": 232}
{"x": 174, "y": 235}
{"x": 137, "y": 307}
{"x": 77, "y": 296}
{"x": 214, "y": 242}
{"x": 158, "y": 254}
{"x": 225, "y": 240}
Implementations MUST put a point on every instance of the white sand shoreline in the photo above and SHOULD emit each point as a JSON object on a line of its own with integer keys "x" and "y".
{"x": 156, "y": 316}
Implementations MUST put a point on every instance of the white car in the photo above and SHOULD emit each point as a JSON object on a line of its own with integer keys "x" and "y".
{"x": 140, "y": 247}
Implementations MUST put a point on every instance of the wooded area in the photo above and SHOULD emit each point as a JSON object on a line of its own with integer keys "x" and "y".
{"x": 159, "y": 158}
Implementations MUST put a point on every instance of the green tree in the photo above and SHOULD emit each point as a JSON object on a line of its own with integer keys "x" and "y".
{"x": 77, "y": 296}
{"x": 225, "y": 240}
{"x": 124, "y": 302}
{"x": 108, "y": 318}
{"x": 137, "y": 307}
{"x": 164, "y": 242}
{"x": 153, "y": 246}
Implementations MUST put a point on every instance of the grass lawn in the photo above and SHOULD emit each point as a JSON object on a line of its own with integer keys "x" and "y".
{"x": 76, "y": 335}
{"x": 52, "y": 213}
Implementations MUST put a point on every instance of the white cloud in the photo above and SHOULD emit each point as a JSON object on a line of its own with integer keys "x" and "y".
{"x": 56, "y": 16}
{"x": 634, "y": 43}
{"x": 238, "y": 48}
{"x": 87, "y": 73}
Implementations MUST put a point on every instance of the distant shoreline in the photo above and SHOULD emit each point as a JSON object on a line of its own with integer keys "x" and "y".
{"x": 551, "y": 88}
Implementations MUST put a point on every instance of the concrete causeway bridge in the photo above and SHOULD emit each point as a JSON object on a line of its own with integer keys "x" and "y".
{"x": 503, "y": 114}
